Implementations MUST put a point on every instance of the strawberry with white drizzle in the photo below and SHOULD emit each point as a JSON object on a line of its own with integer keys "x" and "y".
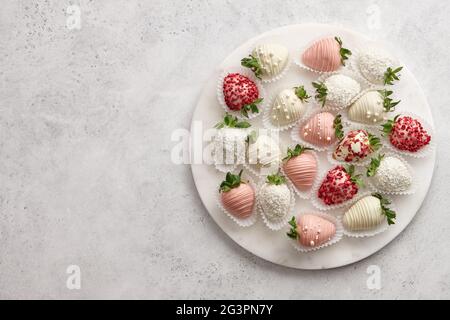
{"x": 340, "y": 185}
{"x": 368, "y": 213}
{"x": 241, "y": 93}
{"x": 406, "y": 133}
{"x": 356, "y": 145}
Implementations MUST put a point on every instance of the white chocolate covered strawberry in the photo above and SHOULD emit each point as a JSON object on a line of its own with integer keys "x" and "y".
{"x": 274, "y": 198}
{"x": 337, "y": 91}
{"x": 368, "y": 213}
{"x": 356, "y": 145}
{"x": 267, "y": 60}
{"x": 372, "y": 107}
{"x": 389, "y": 174}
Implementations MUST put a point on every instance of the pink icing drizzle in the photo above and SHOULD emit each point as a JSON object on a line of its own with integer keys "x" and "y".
{"x": 239, "y": 201}
{"x": 319, "y": 130}
{"x": 301, "y": 170}
{"x": 323, "y": 55}
{"x": 314, "y": 230}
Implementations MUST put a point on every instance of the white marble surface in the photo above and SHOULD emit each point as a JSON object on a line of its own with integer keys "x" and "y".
{"x": 85, "y": 177}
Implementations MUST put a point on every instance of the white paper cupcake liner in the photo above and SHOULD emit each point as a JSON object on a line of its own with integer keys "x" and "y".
{"x": 295, "y": 132}
{"x": 361, "y": 163}
{"x": 336, "y": 238}
{"x": 412, "y": 188}
{"x": 249, "y": 221}
{"x": 319, "y": 204}
{"x": 267, "y": 110}
{"x": 425, "y": 151}
{"x": 348, "y": 73}
{"x": 275, "y": 225}
{"x": 354, "y": 66}
{"x": 249, "y": 74}
{"x": 367, "y": 233}
{"x": 303, "y": 194}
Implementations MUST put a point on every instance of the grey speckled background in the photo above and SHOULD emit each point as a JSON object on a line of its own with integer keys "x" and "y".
{"x": 85, "y": 172}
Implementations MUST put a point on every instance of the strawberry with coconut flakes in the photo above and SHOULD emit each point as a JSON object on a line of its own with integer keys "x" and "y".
{"x": 241, "y": 93}
{"x": 340, "y": 184}
{"x": 356, "y": 145}
{"x": 406, "y": 133}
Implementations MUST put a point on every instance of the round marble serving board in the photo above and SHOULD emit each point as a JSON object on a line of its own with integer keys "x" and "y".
{"x": 274, "y": 246}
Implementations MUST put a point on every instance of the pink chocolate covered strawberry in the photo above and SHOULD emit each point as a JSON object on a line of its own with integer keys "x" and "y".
{"x": 311, "y": 230}
{"x": 340, "y": 184}
{"x": 237, "y": 197}
{"x": 326, "y": 55}
{"x": 356, "y": 145}
{"x": 406, "y": 133}
{"x": 300, "y": 167}
{"x": 241, "y": 93}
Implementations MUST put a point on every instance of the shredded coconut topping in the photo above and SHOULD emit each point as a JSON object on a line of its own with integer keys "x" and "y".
{"x": 341, "y": 90}
{"x": 373, "y": 64}
{"x": 393, "y": 175}
{"x": 275, "y": 201}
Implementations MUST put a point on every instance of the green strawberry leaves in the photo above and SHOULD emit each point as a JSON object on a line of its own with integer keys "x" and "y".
{"x": 232, "y": 122}
{"x": 374, "y": 164}
{"x": 276, "y": 179}
{"x": 374, "y": 141}
{"x": 355, "y": 178}
{"x": 298, "y": 150}
{"x": 388, "y": 126}
{"x": 321, "y": 92}
{"x": 384, "y": 202}
{"x": 388, "y": 103}
{"x": 293, "y": 234}
{"x": 231, "y": 181}
{"x": 253, "y": 64}
{"x": 338, "y": 128}
{"x": 252, "y": 107}
{"x": 344, "y": 52}
{"x": 301, "y": 93}
{"x": 392, "y": 75}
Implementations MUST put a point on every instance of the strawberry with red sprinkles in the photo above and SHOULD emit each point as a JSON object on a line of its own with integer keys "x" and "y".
{"x": 340, "y": 184}
{"x": 356, "y": 146}
{"x": 241, "y": 94}
{"x": 406, "y": 133}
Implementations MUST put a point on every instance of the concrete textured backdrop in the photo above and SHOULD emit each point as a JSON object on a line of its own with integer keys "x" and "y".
{"x": 85, "y": 173}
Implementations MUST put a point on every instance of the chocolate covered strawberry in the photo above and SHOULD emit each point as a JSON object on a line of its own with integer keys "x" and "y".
{"x": 311, "y": 230}
{"x": 406, "y": 133}
{"x": 356, "y": 145}
{"x": 300, "y": 167}
{"x": 241, "y": 93}
{"x": 237, "y": 197}
{"x": 340, "y": 184}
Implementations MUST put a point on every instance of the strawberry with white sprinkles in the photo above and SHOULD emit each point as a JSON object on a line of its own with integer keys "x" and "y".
{"x": 406, "y": 133}
{"x": 241, "y": 93}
